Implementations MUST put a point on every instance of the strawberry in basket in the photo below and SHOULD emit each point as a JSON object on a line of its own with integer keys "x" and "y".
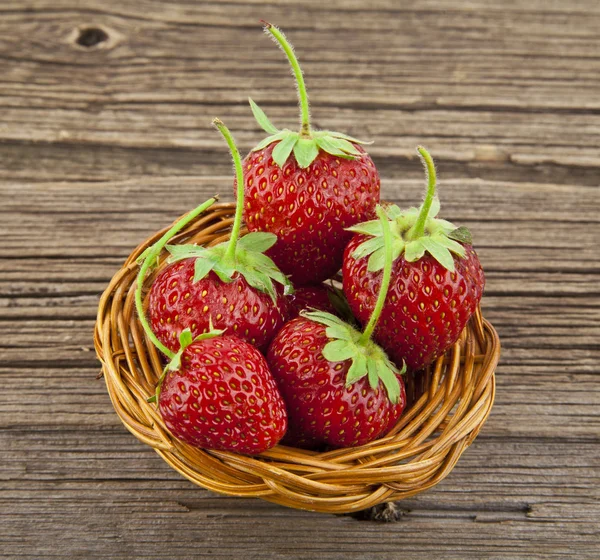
{"x": 340, "y": 388}
{"x": 307, "y": 187}
{"x": 217, "y": 391}
{"x": 322, "y": 297}
{"x": 233, "y": 284}
{"x": 437, "y": 279}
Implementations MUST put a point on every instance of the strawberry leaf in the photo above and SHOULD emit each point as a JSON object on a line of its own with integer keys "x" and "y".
{"x": 202, "y": 267}
{"x": 304, "y": 147}
{"x": 328, "y": 145}
{"x": 372, "y": 227}
{"x": 250, "y": 261}
{"x": 376, "y": 260}
{"x": 451, "y": 245}
{"x": 345, "y": 146}
{"x": 258, "y": 241}
{"x": 438, "y": 252}
{"x": 373, "y": 376}
{"x": 414, "y": 250}
{"x": 437, "y": 238}
{"x": 357, "y": 370}
{"x": 435, "y": 207}
{"x": 185, "y": 339}
{"x": 367, "y": 248}
{"x": 461, "y": 234}
{"x": 305, "y": 151}
{"x": 284, "y": 148}
{"x": 270, "y": 139}
{"x": 367, "y": 358}
{"x": 180, "y": 252}
{"x": 393, "y": 211}
{"x": 390, "y": 381}
{"x": 341, "y": 135}
{"x": 261, "y": 118}
{"x": 338, "y": 351}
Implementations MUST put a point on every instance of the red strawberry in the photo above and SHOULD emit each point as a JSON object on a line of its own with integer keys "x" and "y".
{"x": 220, "y": 394}
{"x": 437, "y": 280}
{"x": 307, "y": 187}
{"x": 176, "y": 303}
{"x": 329, "y": 375}
{"x": 311, "y": 297}
{"x": 323, "y": 409}
{"x": 230, "y": 284}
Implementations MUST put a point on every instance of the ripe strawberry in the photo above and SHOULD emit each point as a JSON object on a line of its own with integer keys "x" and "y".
{"x": 311, "y": 297}
{"x": 307, "y": 187}
{"x": 230, "y": 284}
{"x": 329, "y": 375}
{"x": 437, "y": 280}
{"x": 323, "y": 409}
{"x": 219, "y": 394}
{"x": 176, "y": 303}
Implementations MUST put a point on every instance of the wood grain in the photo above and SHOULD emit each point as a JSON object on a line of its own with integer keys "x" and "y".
{"x": 101, "y": 146}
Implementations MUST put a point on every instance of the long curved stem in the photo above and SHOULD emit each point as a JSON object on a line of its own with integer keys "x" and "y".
{"x": 386, "y": 276}
{"x": 239, "y": 175}
{"x": 419, "y": 228}
{"x": 152, "y": 253}
{"x": 302, "y": 95}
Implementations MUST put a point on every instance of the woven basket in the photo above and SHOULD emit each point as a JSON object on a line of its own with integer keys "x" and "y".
{"x": 447, "y": 406}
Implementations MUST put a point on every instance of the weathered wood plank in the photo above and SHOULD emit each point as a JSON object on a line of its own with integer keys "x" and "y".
{"x": 549, "y": 520}
{"x": 515, "y": 103}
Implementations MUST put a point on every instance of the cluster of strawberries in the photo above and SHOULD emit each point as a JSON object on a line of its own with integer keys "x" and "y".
{"x": 260, "y": 350}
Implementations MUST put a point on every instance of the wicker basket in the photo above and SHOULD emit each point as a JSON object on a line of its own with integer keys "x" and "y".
{"x": 448, "y": 405}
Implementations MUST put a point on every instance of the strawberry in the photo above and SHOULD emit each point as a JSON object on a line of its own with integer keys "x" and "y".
{"x": 307, "y": 187}
{"x": 218, "y": 393}
{"x": 230, "y": 284}
{"x": 312, "y": 297}
{"x": 176, "y": 303}
{"x": 437, "y": 279}
{"x": 340, "y": 388}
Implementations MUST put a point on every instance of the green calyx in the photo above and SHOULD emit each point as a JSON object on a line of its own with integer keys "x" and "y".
{"x": 415, "y": 231}
{"x": 348, "y": 343}
{"x": 305, "y": 145}
{"x": 243, "y": 255}
{"x": 185, "y": 339}
{"x": 368, "y": 358}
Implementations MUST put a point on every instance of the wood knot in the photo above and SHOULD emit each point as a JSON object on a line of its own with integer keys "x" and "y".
{"x": 91, "y": 36}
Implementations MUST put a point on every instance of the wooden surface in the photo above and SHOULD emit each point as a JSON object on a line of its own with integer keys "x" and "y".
{"x": 102, "y": 145}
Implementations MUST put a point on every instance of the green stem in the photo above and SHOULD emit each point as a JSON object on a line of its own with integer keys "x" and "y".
{"x": 239, "y": 175}
{"x": 419, "y": 228}
{"x": 302, "y": 95}
{"x": 385, "y": 279}
{"x": 152, "y": 254}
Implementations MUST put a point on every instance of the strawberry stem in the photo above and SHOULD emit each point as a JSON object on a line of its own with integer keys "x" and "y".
{"x": 418, "y": 230}
{"x": 150, "y": 255}
{"x": 239, "y": 175}
{"x": 386, "y": 276}
{"x": 302, "y": 95}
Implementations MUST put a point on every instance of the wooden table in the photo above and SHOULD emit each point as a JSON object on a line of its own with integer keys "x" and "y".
{"x": 105, "y": 137}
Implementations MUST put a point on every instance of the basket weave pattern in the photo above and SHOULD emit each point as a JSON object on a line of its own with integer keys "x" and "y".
{"x": 448, "y": 405}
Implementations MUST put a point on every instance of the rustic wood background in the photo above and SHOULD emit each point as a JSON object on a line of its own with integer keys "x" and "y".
{"x": 105, "y": 137}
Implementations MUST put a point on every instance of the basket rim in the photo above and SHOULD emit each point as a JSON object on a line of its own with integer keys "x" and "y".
{"x": 419, "y": 452}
